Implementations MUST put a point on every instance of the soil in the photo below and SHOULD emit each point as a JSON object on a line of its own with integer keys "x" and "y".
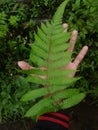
{"x": 83, "y": 117}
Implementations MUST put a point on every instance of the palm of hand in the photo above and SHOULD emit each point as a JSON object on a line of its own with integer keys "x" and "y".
{"x": 71, "y": 66}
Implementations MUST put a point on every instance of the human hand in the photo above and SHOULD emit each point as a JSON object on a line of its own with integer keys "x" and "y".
{"x": 74, "y": 65}
{"x": 71, "y": 66}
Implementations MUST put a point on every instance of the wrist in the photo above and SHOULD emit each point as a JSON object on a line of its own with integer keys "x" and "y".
{"x": 54, "y": 120}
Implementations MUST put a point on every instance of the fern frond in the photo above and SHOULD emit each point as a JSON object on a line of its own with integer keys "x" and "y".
{"x": 50, "y": 51}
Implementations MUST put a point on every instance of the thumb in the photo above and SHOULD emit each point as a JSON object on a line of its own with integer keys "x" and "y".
{"x": 24, "y": 65}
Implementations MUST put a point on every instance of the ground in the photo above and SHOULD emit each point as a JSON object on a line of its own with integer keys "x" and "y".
{"x": 84, "y": 117}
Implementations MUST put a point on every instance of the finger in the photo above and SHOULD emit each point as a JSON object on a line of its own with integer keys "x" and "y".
{"x": 40, "y": 76}
{"x": 24, "y": 65}
{"x": 65, "y": 26}
{"x": 80, "y": 56}
{"x": 73, "y": 40}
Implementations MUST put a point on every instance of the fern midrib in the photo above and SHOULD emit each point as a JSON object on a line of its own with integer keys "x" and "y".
{"x": 49, "y": 62}
{"x": 48, "y": 58}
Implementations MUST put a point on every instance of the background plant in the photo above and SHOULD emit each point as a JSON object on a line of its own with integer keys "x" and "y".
{"x": 13, "y": 43}
{"x": 10, "y": 94}
{"x": 84, "y": 18}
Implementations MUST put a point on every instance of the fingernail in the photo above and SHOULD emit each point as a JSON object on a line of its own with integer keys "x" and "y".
{"x": 20, "y": 63}
{"x": 75, "y": 32}
{"x": 86, "y": 47}
{"x": 65, "y": 25}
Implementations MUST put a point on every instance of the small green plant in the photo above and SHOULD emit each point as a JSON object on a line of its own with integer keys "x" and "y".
{"x": 3, "y": 25}
{"x": 50, "y": 51}
{"x": 10, "y": 93}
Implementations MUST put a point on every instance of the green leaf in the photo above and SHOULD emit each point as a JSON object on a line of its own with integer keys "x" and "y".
{"x": 57, "y": 56}
{"x": 59, "y": 13}
{"x": 43, "y": 104}
{"x": 61, "y": 41}
{"x": 38, "y": 51}
{"x": 76, "y": 5}
{"x": 66, "y": 93}
{"x": 36, "y": 71}
{"x": 36, "y": 79}
{"x": 37, "y": 60}
{"x": 44, "y": 27}
{"x": 73, "y": 100}
{"x": 62, "y": 81}
{"x": 42, "y": 35}
{"x": 34, "y": 94}
{"x": 40, "y": 43}
{"x": 59, "y": 63}
{"x": 60, "y": 73}
{"x": 59, "y": 48}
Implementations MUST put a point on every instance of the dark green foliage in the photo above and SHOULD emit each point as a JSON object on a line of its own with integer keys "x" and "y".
{"x": 50, "y": 51}
{"x": 84, "y": 18}
{"x": 13, "y": 43}
{"x": 10, "y": 94}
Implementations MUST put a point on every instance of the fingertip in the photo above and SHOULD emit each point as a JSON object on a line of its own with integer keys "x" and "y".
{"x": 75, "y": 32}
{"x": 85, "y": 47}
{"x": 65, "y": 25}
{"x": 20, "y": 63}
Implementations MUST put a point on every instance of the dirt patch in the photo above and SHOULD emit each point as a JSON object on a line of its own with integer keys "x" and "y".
{"x": 18, "y": 125}
{"x": 83, "y": 117}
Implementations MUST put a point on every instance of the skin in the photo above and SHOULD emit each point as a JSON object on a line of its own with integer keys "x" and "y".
{"x": 71, "y": 66}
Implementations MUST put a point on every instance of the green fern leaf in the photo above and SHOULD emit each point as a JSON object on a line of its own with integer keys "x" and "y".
{"x": 36, "y": 79}
{"x": 34, "y": 94}
{"x": 66, "y": 93}
{"x": 50, "y": 51}
{"x": 60, "y": 73}
{"x": 57, "y": 56}
{"x": 43, "y": 91}
{"x": 59, "y": 13}
{"x": 58, "y": 63}
{"x": 37, "y": 60}
{"x": 36, "y": 71}
{"x": 45, "y": 103}
{"x": 37, "y": 50}
{"x": 75, "y": 99}
{"x": 43, "y": 45}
